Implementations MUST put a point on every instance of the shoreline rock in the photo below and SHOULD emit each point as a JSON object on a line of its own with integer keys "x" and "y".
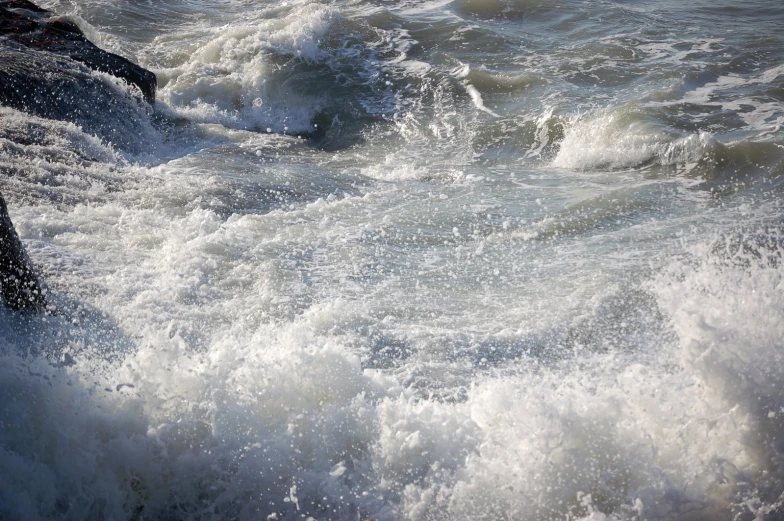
{"x": 44, "y": 62}
{"x": 19, "y": 283}
{"x": 24, "y": 24}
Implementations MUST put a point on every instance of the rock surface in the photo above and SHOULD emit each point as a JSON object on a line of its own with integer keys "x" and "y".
{"x": 19, "y": 283}
{"x": 54, "y": 87}
{"x": 45, "y": 71}
{"x": 25, "y": 25}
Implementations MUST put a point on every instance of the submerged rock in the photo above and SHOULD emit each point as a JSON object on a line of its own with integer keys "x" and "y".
{"x": 19, "y": 283}
{"x": 25, "y": 26}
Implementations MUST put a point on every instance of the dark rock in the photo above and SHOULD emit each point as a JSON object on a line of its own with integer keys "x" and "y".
{"x": 24, "y": 25}
{"x": 54, "y": 87}
{"x": 46, "y": 66}
{"x": 19, "y": 283}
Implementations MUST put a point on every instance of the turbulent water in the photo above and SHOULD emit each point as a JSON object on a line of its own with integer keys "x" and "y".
{"x": 405, "y": 260}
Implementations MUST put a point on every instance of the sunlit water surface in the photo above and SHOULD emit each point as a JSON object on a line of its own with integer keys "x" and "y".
{"x": 406, "y": 260}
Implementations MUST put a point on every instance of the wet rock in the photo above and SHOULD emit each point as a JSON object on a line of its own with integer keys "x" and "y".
{"x": 25, "y": 26}
{"x": 19, "y": 282}
{"x": 53, "y": 87}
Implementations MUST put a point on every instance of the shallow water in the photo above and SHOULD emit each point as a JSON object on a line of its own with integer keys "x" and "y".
{"x": 467, "y": 260}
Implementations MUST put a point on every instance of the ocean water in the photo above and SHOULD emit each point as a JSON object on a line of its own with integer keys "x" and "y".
{"x": 404, "y": 260}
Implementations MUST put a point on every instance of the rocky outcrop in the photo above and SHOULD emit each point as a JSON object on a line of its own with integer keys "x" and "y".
{"x": 24, "y": 25}
{"x": 19, "y": 283}
{"x": 46, "y": 66}
{"x": 47, "y": 69}
{"x": 53, "y": 87}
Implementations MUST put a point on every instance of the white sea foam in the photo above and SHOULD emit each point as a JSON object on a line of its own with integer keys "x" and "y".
{"x": 683, "y": 434}
{"x": 230, "y": 80}
{"x": 618, "y": 140}
{"x": 266, "y": 408}
{"x": 248, "y": 326}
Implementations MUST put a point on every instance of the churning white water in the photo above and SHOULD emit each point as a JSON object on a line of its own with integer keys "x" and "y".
{"x": 405, "y": 260}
